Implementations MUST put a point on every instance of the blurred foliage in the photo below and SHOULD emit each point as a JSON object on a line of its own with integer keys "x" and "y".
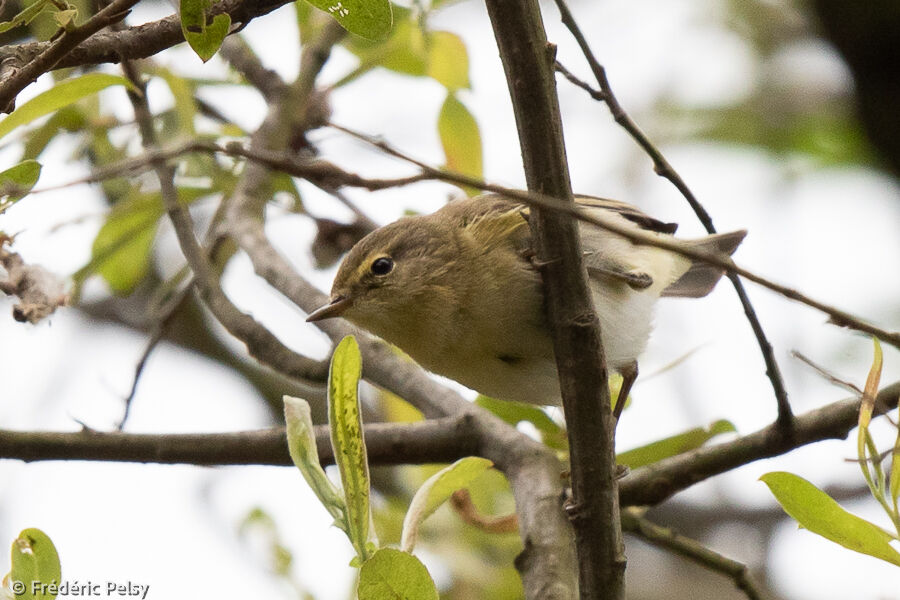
{"x": 783, "y": 114}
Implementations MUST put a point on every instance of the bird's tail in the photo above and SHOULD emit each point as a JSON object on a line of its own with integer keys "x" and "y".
{"x": 702, "y": 277}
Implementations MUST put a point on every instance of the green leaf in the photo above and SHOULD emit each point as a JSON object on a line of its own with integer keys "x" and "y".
{"x": 448, "y": 60}
{"x": 17, "y": 181}
{"x": 204, "y": 35}
{"x": 302, "y": 447}
{"x": 121, "y": 251}
{"x": 66, "y": 18}
{"x": 395, "y": 575}
{"x": 185, "y": 103}
{"x": 515, "y": 412}
{"x": 895, "y": 473}
{"x": 34, "y": 559}
{"x": 460, "y": 139}
{"x": 369, "y": 19}
{"x": 816, "y": 511}
{"x": 26, "y": 16}
{"x": 260, "y": 522}
{"x": 65, "y": 119}
{"x": 62, "y": 94}
{"x": 347, "y": 440}
{"x": 671, "y": 446}
{"x": 437, "y": 490}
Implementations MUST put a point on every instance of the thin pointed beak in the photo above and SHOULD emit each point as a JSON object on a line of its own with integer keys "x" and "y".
{"x": 335, "y": 308}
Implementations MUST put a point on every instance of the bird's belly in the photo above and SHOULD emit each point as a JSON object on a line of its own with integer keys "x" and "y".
{"x": 529, "y": 379}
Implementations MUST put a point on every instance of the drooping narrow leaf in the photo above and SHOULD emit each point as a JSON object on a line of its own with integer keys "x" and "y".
{"x": 62, "y": 94}
{"x": 870, "y": 462}
{"x": 461, "y": 139}
{"x": 871, "y": 389}
{"x": 895, "y": 474}
{"x": 203, "y": 34}
{"x": 395, "y": 575}
{"x": 816, "y": 511}
{"x": 17, "y": 181}
{"x": 302, "y": 448}
{"x": 348, "y": 442}
{"x": 35, "y": 566}
{"x": 436, "y": 490}
{"x": 370, "y": 19}
{"x": 670, "y": 446}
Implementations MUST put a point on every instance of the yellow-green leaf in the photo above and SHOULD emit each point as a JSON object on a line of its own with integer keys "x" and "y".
{"x": 437, "y": 490}
{"x": 348, "y": 442}
{"x": 17, "y": 181}
{"x": 461, "y": 139}
{"x": 35, "y": 566}
{"x": 816, "y": 511}
{"x": 370, "y": 19}
{"x": 515, "y": 412}
{"x": 62, "y": 94}
{"x": 895, "y": 472}
{"x": 302, "y": 448}
{"x": 395, "y": 575}
{"x": 671, "y": 446}
{"x": 448, "y": 60}
{"x": 121, "y": 251}
{"x": 28, "y": 14}
{"x": 203, "y": 34}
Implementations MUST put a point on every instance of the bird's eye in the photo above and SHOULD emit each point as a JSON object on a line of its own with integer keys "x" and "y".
{"x": 382, "y": 266}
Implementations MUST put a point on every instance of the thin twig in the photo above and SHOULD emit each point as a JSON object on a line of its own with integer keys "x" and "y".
{"x": 323, "y": 171}
{"x": 156, "y": 336}
{"x": 533, "y": 199}
{"x": 668, "y": 539}
{"x": 662, "y": 168}
{"x": 830, "y": 377}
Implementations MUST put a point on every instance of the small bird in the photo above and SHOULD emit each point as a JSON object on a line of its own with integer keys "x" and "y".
{"x": 460, "y": 292}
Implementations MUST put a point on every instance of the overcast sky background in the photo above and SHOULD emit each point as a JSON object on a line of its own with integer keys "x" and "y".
{"x": 830, "y": 232}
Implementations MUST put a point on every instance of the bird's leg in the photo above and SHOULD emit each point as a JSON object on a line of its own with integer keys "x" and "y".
{"x": 629, "y": 373}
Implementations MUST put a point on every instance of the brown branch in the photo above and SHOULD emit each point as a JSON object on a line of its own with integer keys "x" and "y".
{"x": 328, "y": 174}
{"x": 466, "y": 433}
{"x": 662, "y": 168}
{"x": 430, "y": 441}
{"x": 139, "y": 41}
{"x": 243, "y": 60}
{"x": 594, "y": 511}
{"x": 667, "y": 539}
{"x": 56, "y": 50}
{"x": 657, "y": 482}
{"x": 537, "y": 200}
{"x": 261, "y": 343}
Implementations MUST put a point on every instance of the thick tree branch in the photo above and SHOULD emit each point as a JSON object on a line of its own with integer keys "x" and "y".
{"x": 657, "y": 482}
{"x": 16, "y": 78}
{"x": 431, "y": 441}
{"x": 139, "y": 41}
{"x": 528, "y": 63}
